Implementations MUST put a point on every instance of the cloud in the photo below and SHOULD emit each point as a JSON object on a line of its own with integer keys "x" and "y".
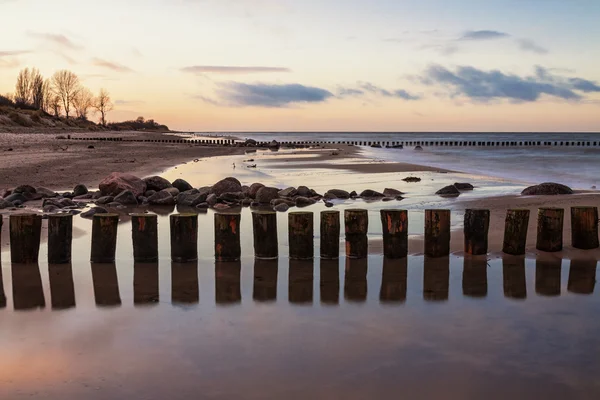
{"x": 483, "y": 35}
{"x": 531, "y": 46}
{"x": 400, "y": 93}
{"x": 403, "y": 94}
{"x": 9, "y": 63}
{"x": 58, "y": 39}
{"x": 483, "y": 86}
{"x": 346, "y": 92}
{"x": 110, "y": 65}
{"x": 13, "y": 53}
{"x": 220, "y": 69}
{"x": 128, "y": 102}
{"x": 270, "y": 95}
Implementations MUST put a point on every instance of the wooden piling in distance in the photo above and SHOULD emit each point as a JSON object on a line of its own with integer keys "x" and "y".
{"x": 144, "y": 232}
{"x": 25, "y": 234}
{"x": 550, "y": 229}
{"x": 104, "y": 238}
{"x": 584, "y": 228}
{"x": 184, "y": 237}
{"x": 264, "y": 224}
{"x": 476, "y": 226}
{"x": 515, "y": 232}
{"x": 60, "y": 238}
{"x": 437, "y": 233}
{"x": 330, "y": 235}
{"x": 301, "y": 235}
{"x": 227, "y": 237}
{"x": 356, "y": 222}
{"x": 395, "y": 233}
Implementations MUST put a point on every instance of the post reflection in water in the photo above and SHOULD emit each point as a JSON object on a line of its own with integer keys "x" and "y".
{"x": 355, "y": 279}
{"x": 184, "y": 283}
{"x": 513, "y": 276}
{"x": 265, "y": 280}
{"x": 474, "y": 280}
{"x": 393, "y": 281}
{"x": 330, "y": 282}
{"x": 62, "y": 288}
{"x": 227, "y": 282}
{"x": 547, "y": 277}
{"x": 582, "y": 276}
{"x": 2, "y": 294}
{"x": 106, "y": 285}
{"x": 28, "y": 292}
{"x": 301, "y": 274}
{"x": 436, "y": 278}
{"x": 145, "y": 283}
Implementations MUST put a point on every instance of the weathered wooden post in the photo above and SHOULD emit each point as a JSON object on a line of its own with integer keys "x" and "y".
{"x": 330, "y": 235}
{"x": 550, "y": 229}
{"x": 104, "y": 238}
{"x": 395, "y": 233}
{"x": 436, "y": 278}
{"x": 145, "y": 283}
{"x": 474, "y": 281}
{"x": 355, "y": 279}
{"x": 28, "y": 292}
{"x": 144, "y": 232}
{"x": 264, "y": 225}
{"x": 62, "y": 287}
{"x": 227, "y": 282}
{"x": 330, "y": 281}
{"x": 60, "y": 237}
{"x": 106, "y": 284}
{"x": 184, "y": 237}
{"x": 437, "y": 233}
{"x": 582, "y": 276}
{"x": 227, "y": 237}
{"x": 301, "y": 235}
{"x": 584, "y": 227}
{"x": 476, "y": 226}
{"x": 515, "y": 232}
{"x": 393, "y": 280}
{"x": 25, "y": 233}
{"x": 356, "y": 226}
{"x": 547, "y": 277}
{"x": 265, "y": 280}
{"x": 300, "y": 280}
{"x": 184, "y": 283}
{"x": 513, "y": 276}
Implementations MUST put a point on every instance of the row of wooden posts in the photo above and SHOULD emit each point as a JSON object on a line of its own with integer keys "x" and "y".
{"x": 25, "y": 233}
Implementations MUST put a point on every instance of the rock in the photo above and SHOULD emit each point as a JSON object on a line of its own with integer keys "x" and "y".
{"x": 289, "y": 202}
{"x": 74, "y": 212}
{"x": 376, "y": 145}
{"x": 448, "y": 191}
{"x": 80, "y": 190}
{"x": 281, "y": 207}
{"x": 5, "y": 204}
{"x": 114, "y": 204}
{"x": 157, "y": 183}
{"x": 96, "y": 210}
{"x": 227, "y": 185}
{"x": 250, "y": 142}
{"x": 96, "y": 195}
{"x": 274, "y": 145}
{"x": 181, "y": 185}
{"x": 190, "y": 199}
{"x": 303, "y": 191}
{"x": 105, "y": 200}
{"x": 387, "y": 199}
{"x": 221, "y": 207}
{"x": 288, "y": 192}
{"x": 246, "y": 190}
{"x": 91, "y": 147}
{"x": 328, "y": 204}
{"x": 24, "y": 189}
{"x": 161, "y": 198}
{"x": 255, "y": 204}
{"x": 46, "y": 193}
{"x": 142, "y": 200}
{"x": 126, "y": 197}
{"x": 304, "y": 201}
{"x": 50, "y": 208}
{"x": 464, "y": 186}
{"x": 254, "y": 189}
{"x": 85, "y": 197}
{"x": 330, "y": 196}
{"x": 339, "y": 193}
{"x": 16, "y": 197}
{"x": 399, "y": 198}
{"x": 266, "y": 194}
{"x": 411, "y": 179}
{"x": 418, "y": 148}
{"x": 212, "y": 199}
{"x": 391, "y": 192}
{"x": 232, "y": 197}
{"x": 68, "y": 195}
{"x": 547, "y": 188}
{"x": 202, "y": 206}
{"x": 172, "y": 191}
{"x": 371, "y": 193}
{"x": 246, "y": 202}
{"x": 353, "y": 194}
{"x": 118, "y": 182}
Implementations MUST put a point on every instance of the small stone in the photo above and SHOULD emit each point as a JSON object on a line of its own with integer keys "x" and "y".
{"x": 105, "y": 200}
{"x": 212, "y": 199}
{"x": 304, "y": 201}
{"x": 371, "y": 193}
{"x": 448, "y": 191}
{"x": 303, "y": 191}
{"x": 202, "y": 206}
{"x": 80, "y": 190}
{"x": 93, "y": 211}
{"x": 391, "y": 192}
{"x": 339, "y": 193}
{"x": 281, "y": 207}
{"x": 5, "y": 204}
{"x": 24, "y": 189}
{"x": 288, "y": 192}
{"x": 328, "y": 204}
{"x": 254, "y": 189}
{"x": 411, "y": 179}
{"x": 162, "y": 198}
{"x": 221, "y": 207}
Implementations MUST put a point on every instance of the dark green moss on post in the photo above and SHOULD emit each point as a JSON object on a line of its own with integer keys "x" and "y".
{"x": 227, "y": 237}
{"x": 25, "y": 234}
{"x": 144, "y": 233}
{"x": 60, "y": 238}
{"x": 356, "y": 222}
{"x": 104, "y": 238}
{"x": 184, "y": 237}
{"x": 301, "y": 235}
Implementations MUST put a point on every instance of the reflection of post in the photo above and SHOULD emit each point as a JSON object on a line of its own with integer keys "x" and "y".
{"x": 330, "y": 281}
{"x": 106, "y": 285}
{"x": 436, "y": 278}
{"x": 62, "y": 288}
{"x": 184, "y": 283}
{"x": 475, "y": 276}
{"x": 227, "y": 282}
{"x": 355, "y": 279}
{"x": 301, "y": 281}
{"x": 513, "y": 274}
{"x": 27, "y": 287}
{"x": 547, "y": 277}
{"x": 582, "y": 276}
{"x": 145, "y": 283}
{"x": 265, "y": 280}
{"x": 393, "y": 280}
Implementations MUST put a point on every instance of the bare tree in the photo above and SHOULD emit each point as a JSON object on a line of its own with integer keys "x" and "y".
{"x": 37, "y": 89}
{"x": 23, "y": 88}
{"x": 104, "y": 105}
{"x": 82, "y": 102}
{"x": 65, "y": 85}
{"x": 47, "y": 97}
{"x": 55, "y": 104}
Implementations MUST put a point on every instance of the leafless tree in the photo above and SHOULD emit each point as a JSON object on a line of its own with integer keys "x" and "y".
{"x": 65, "y": 84}
{"x": 82, "y": 102}
{"x": 37, "y": 89}
{"x": 55, "y": 104}
{"x": 104, "y": 105}
{"x": 47, "y": 97}
{"x": 23, "y": 88}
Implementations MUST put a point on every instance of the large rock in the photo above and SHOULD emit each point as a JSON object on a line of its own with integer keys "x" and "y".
{"x": 118, "y": 182}
{"x": 463, "y": 186}
{"x": 254, "y": 189}
{"x": 547, "y": 188}
{"x": 16, "y": 197}
{"x": 24, "y": 189}
{"x": 172, "y": 191}
{"x": 227, "y": 185}
{"x": 304, "y": 201}
{"x": 80, "y": 190}
{"x": 266, "y": 194}
{"x": 162, "y": 198}
{"x": 288, "y": 192}
{"x": 212, "y": 199}
{"x": 303, "y": 191}
{"x": 371, "y": 193}
{"x": 126, "y": 198}
{"x": 46, "y": 193}
{"x": 282, "y": 207}
{"x": 388, "y": 192}
{"x": 190, "y": 199}
{"x": 232, "y": 197}
{"x": 5, "y": 204}
{"x": 157, "y": 183}
{"x": 338, "y": 193}
{"x": 182, "y": 185}
{"x": 448, "y": 191}
{"x": 105, "y": 200}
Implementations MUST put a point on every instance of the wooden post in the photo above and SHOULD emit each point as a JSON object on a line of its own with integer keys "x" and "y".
{"x": 395, "y": 233}
{"x": 582, "y": 276}
{"x": 104, "y": 238}
{"x": 513, "y": 274}
{"x": 474, "y": 281}
{"x": 145, "y": 283}
{"x": 437, "y": 233}
{"x": 550, "y": 229}
{"x": 476, "y": 226}
{"x": 227, "y": 237}
{"x": 265, "y": 280}
{"x": 264, "y": 225}
{"x": 300, "y": 280}
{"x": 330, "y": 235}
{"x": 547, "y": 277}
{"x": 436, "y": 278}
{"x": 25, "y": 233}
{"x": 184, "y": 283}
{"x": 227, "y": 282}
{"x": 515, "y": 232}
{"x": 301, "y": 235}
{"x": 584, "y": 227}
{"x": 60, "y": 237}
{"x": 184, "y": 237}
{"x": 356, "y": 226}
{"x": 393, "y": 281}
{"x": 330, "y": 281}
{"x": 62, "y": 287}
{"x": 144, "y": 232}
{"x": 355, "y": 280}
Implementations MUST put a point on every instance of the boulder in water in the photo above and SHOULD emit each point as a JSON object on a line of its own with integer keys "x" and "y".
{"x": 266, "y": 194}
{"x": 547, "y": 188}
{"x": 126, "y": 197}
{"x": 227, "y": 185}
{"x": 338, "y": 193}
{"x": 118, "y": 182}
{"x": 464, "y": 186}
{"x": 80, "y": 190}
{"x": 448, "y": 191}
{"x": 157, "y": 183}
{"x": 182, "y": 185}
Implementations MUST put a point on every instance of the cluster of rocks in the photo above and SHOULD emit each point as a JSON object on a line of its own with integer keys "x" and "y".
{"x": 454, "y": 190}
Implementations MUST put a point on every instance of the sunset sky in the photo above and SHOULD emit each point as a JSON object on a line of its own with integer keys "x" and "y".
{"x": 334, "y": 65}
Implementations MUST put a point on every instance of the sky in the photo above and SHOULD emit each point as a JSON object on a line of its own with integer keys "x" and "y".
{"x": 321, "y": 65}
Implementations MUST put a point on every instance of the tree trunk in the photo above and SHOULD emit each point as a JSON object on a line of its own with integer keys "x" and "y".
{"x": 184, "y": 237}
{"x": 60, "y": 237}
{"x": 144, "y": 232}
